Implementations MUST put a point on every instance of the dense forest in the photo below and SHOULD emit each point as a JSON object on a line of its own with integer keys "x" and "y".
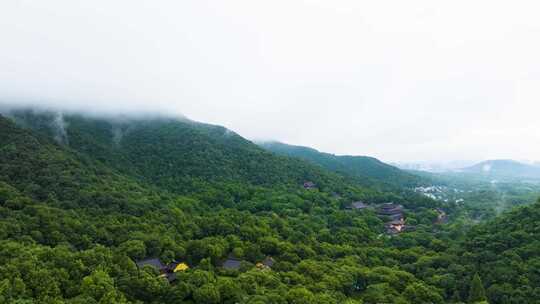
{"x": 359, "y": 167}
{"x": 85, "y": 201}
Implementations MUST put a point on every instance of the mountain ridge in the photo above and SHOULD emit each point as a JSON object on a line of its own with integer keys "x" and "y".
{"x": 504, "y": 168}
{"x": 362, "y": 167}
{"x": 178, "y": 154}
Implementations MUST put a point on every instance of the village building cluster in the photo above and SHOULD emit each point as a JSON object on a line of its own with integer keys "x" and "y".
{"x": 169, "y": 271}
{"x": 441, "y": 193}
{"x": 393, "y": 213}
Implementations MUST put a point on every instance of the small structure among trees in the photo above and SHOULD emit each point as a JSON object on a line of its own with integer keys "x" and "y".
{"x": 359, "y": 205}
{"x": 395, "y": 227}
{"x": 442, "y": 217}
{"x": 267, "y": 263}
{"x": 394, "y": 213}
{"x": 166, "y": 271}
{"x": 232, "y": 263}
{"x": 309, "y": 185}
{"x": 391, "y": 210}
{"x": 152, "y": 262}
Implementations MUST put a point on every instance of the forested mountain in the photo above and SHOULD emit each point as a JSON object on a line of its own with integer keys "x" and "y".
{"x": 184, "y": 156}
{"x": 361, "y": 167}
{"x": 507, "y": 253}
{"x": 74, "y": 207}
{"x": 46, "y": 171}
{"x": 504, "y": 169}
{"x": 82, "y": 200}
{"x": 174, "y": 153}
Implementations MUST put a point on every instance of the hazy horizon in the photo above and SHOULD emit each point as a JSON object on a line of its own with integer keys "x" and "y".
{"x": 415, "y": 81}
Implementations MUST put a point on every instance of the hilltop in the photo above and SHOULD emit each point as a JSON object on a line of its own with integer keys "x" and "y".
{"x": 173, "y": 153}
{"x": 359, "y": 167}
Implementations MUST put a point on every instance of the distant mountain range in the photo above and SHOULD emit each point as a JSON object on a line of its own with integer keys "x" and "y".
{"x": 504, "y": 169}
{"x": 434, "y": 167}
{"x": 498, "y": 169}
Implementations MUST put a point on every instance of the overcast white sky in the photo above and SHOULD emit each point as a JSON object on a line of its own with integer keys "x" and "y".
{"x": 399, "y": 80}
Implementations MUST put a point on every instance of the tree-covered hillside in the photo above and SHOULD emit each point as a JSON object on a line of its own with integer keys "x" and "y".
{"x": 506, "y": 251}
{"x": 73, "y": 227}
{"x": 85, "y": 201}
{"x": 360, "y": 167}
{"x": 176, "y": 154}
{"x": 47, "y": 171}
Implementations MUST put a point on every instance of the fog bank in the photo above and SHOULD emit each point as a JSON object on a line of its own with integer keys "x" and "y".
{"x": 401, "y": 81}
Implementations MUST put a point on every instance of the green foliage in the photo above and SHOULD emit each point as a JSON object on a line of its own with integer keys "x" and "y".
{"x": 359, "y": 167}
{"x": 420, "y": 293}
{"x": 100, "y": 286}
{"x": 300, "y": 295}
{"x": 477, "y": 292}
{"x": 76, "y": 214}
{"x": 207, "y": 294}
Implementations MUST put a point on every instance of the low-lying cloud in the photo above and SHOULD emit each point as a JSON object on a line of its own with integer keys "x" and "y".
{"x": 420, "y": 80}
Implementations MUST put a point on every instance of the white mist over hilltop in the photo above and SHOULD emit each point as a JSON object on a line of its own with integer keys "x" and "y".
{"x": 398, "y": 80}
